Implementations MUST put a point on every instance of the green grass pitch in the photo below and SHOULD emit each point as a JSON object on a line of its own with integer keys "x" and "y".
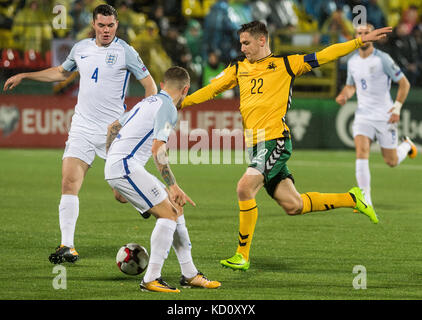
{"x": 300, "y": 257}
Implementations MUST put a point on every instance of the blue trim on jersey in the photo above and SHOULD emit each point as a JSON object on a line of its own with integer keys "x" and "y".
{"x": 74, "y": 68}
{"x": 135, "y": 149}
{"x": 164, "y": 93}
{"x": 124, "y": 84}
{"x": 312, "y": 60}
{"x": 126, "y": 166}
{"x": 139, "y": 192}
{"x": 136, "y": 111}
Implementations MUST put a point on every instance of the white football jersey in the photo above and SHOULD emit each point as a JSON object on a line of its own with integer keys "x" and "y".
{"x": 152, "y": 118}
{"x": 104, "y": 78}
{"x": 372, "y": 78}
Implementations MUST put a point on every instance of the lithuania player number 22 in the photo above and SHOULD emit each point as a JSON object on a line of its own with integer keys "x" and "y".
{"x": 257, "y": 85}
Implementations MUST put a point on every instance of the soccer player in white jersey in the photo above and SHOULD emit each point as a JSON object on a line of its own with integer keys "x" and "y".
{"x": 104, "y": 64}
{"x": 131, "y": 141}
{"x": 369, "y": 74}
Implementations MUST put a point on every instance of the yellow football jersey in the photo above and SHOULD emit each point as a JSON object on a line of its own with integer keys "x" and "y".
{"x": 265, "y": 93}
{"x": 266, "y": 88}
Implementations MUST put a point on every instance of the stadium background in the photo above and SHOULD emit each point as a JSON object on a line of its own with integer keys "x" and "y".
{"x": 311, "y": 257}
{"x": 201, "y": 36}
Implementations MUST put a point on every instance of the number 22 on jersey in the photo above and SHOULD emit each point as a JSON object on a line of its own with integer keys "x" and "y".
{"x": 257, "y": 85}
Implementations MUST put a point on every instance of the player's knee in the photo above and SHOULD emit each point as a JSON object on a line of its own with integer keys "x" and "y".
{"x": 70, "y": 185}
{"x": 165, "y": 210}
{"x": 119, "y": 197}
{"x": 362, "y": 153}
{"x": 244, "y": 192}
{"x": 291, "y": 208}
{"x": 391, "y": 162}
{"x": 172, "y": 213}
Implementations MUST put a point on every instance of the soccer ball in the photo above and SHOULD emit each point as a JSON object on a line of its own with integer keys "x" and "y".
{"x": 132, "y": 259}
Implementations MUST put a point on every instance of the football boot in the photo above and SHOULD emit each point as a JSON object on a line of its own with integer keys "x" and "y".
{"x": 237, "y": 262}
{"x": 200, "y": 281}
{"x": 413, "y": 150}
{"x": 158, "y": 285}
{"x": 63, "y": 254}
{"x": 361, "y": 205}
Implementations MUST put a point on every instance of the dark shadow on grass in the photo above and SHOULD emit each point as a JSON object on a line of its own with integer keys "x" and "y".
{"x": 266, "y": 263}
{"x": 112, "y": 278}
{"x": 98, "y": 251}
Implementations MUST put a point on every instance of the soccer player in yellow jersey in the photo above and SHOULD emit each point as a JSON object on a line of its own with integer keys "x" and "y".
{"x": 265, "y": 82}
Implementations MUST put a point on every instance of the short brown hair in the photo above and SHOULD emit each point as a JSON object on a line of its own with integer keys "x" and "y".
{"x": 177, "y": 77}
{"x": 105, "y": 10}
{"x": 255, "y": 28}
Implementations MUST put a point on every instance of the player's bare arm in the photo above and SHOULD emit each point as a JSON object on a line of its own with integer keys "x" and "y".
{"x": 113, "y": 130}
{"x": 149, "y": 85}
{"x": 376, "y": 34}
{"x": 402, "y": 92}
{"x": 160, "y": 155}
{"x": 48, "y": 75}
{"x": 345, "y": 94}
{"x": 161, "y": 160}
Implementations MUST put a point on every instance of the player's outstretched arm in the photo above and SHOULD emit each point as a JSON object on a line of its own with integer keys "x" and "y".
{"x": 224, "y": 81}
{"x": 338, "y": 50}
{"x": 48, "y": 75}
{"x": 161, "y": 160}
{"x": 377, "y": 34}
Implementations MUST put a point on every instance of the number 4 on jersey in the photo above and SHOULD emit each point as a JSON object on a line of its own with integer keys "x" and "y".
{"x": 95, "y": 75}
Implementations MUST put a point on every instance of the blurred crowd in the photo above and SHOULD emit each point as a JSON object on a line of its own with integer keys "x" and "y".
{"x": 200, "y": 35}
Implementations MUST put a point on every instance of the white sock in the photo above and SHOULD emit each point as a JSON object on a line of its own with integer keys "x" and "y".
{"x": 68, "y": 215}
{"x": 161, "y": 240}
{"x": 182, "y": 246}
{"x": 363, "y": 178}
{"x": 402, "y": 151}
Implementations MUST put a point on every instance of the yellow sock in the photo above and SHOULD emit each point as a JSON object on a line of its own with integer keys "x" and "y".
{"x": 247, "y": 221}
{"x": 315, "y": 201}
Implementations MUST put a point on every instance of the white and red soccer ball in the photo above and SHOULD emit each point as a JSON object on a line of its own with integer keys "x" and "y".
{"x": 132, "y": 259}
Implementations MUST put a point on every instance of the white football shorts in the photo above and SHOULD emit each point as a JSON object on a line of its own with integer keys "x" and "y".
{"x": 85, "y": 147}
{"x": 386, "y": 134}
{"x": 140, "y": 188}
